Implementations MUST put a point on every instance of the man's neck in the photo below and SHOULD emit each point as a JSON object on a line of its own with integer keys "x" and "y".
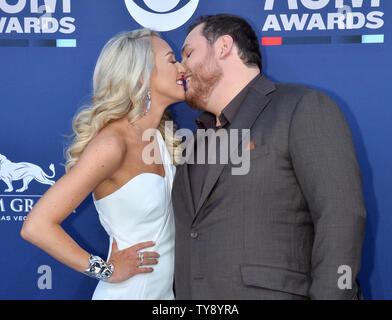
{"x": 227, "y": 89}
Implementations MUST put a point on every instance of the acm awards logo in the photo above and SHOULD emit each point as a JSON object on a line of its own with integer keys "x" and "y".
{"x": 342, "y": 15}
{"x": 164, "y": 15}
{"x": 12, "y": 174}
{"x": 39, "y": 19}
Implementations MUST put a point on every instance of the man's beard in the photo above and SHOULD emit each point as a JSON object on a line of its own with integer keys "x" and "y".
{"x": 204, "y": 79}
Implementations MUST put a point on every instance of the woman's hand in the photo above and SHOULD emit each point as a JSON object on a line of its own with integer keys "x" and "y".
{"x": 127, "y": 262}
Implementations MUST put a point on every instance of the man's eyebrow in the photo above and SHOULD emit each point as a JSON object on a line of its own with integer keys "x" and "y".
{"x": 170, "y": 52}
{"x": 183, "y": 48}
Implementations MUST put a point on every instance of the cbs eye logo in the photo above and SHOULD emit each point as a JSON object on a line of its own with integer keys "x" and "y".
{"x": 160, "y": 18}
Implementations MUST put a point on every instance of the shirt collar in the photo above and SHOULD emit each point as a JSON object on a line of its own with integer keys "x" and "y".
{"x": 207, "y": 119}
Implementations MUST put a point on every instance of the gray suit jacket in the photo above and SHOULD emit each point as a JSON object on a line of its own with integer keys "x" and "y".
{"x": 283, "y": 230}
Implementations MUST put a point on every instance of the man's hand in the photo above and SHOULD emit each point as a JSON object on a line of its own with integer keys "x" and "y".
{"x": 127, "y": 262}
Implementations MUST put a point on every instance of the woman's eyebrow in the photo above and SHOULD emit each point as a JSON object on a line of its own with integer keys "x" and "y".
{"x": 170, "y": 52}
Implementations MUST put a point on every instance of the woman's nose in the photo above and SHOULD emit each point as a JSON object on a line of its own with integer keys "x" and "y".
{"x": 180, "y": 68}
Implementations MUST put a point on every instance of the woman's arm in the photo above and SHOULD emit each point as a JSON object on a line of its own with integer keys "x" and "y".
{"x": 101, "y": 158}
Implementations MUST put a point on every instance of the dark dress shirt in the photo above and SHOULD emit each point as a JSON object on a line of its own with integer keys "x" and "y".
{"x": 207, "y": 120}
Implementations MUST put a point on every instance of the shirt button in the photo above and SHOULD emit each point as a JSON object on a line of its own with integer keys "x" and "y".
{"x": 194, "y": 235}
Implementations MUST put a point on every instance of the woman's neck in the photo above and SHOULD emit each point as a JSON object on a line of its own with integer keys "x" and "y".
{"x": 151, "y": 119}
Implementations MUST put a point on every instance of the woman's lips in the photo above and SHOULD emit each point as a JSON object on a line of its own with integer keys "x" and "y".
{"x": 180, "y": 81}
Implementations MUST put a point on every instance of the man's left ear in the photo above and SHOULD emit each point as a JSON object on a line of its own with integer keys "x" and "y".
{"x": 225, "y": 46}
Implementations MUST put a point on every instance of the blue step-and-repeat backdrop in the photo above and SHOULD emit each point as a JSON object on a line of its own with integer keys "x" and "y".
{"x": 48, "y": 50}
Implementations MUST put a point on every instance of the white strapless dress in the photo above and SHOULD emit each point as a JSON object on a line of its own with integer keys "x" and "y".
{"x": 141, "y": 210}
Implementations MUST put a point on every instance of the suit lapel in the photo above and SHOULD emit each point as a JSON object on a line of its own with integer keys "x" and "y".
{"x": 252, "y": 106}
{"x": 185, "y": 175}
{"x": 188, "y": 190}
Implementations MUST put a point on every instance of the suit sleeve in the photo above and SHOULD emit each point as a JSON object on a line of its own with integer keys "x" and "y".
{"x": 325, "y": 163}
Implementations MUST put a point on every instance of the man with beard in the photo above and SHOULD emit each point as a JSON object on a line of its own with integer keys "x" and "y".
{"x": 293, "y": 226}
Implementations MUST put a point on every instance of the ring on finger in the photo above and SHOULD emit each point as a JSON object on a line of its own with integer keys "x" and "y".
{"x": 141, "y": 257}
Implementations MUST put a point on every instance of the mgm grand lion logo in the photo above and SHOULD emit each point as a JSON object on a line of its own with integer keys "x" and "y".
{"x": 12, "y": 171}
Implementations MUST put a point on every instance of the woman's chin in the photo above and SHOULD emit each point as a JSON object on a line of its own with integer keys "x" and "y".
{"x": 179, "y": 98}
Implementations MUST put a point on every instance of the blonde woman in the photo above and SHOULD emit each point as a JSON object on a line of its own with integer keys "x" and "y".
{"x": 135, "y": 79}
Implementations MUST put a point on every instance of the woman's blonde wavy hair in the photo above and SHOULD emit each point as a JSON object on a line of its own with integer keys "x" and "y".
{"x": 120, "y": 84}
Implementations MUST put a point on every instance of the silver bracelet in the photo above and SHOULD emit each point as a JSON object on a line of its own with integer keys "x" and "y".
{"x": 99, "y": 269}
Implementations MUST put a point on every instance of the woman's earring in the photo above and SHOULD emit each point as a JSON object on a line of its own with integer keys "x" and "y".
{"x": 148, "y": 100}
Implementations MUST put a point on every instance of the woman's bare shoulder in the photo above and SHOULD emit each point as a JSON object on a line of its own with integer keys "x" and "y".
{"x": 107, "y": 147}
